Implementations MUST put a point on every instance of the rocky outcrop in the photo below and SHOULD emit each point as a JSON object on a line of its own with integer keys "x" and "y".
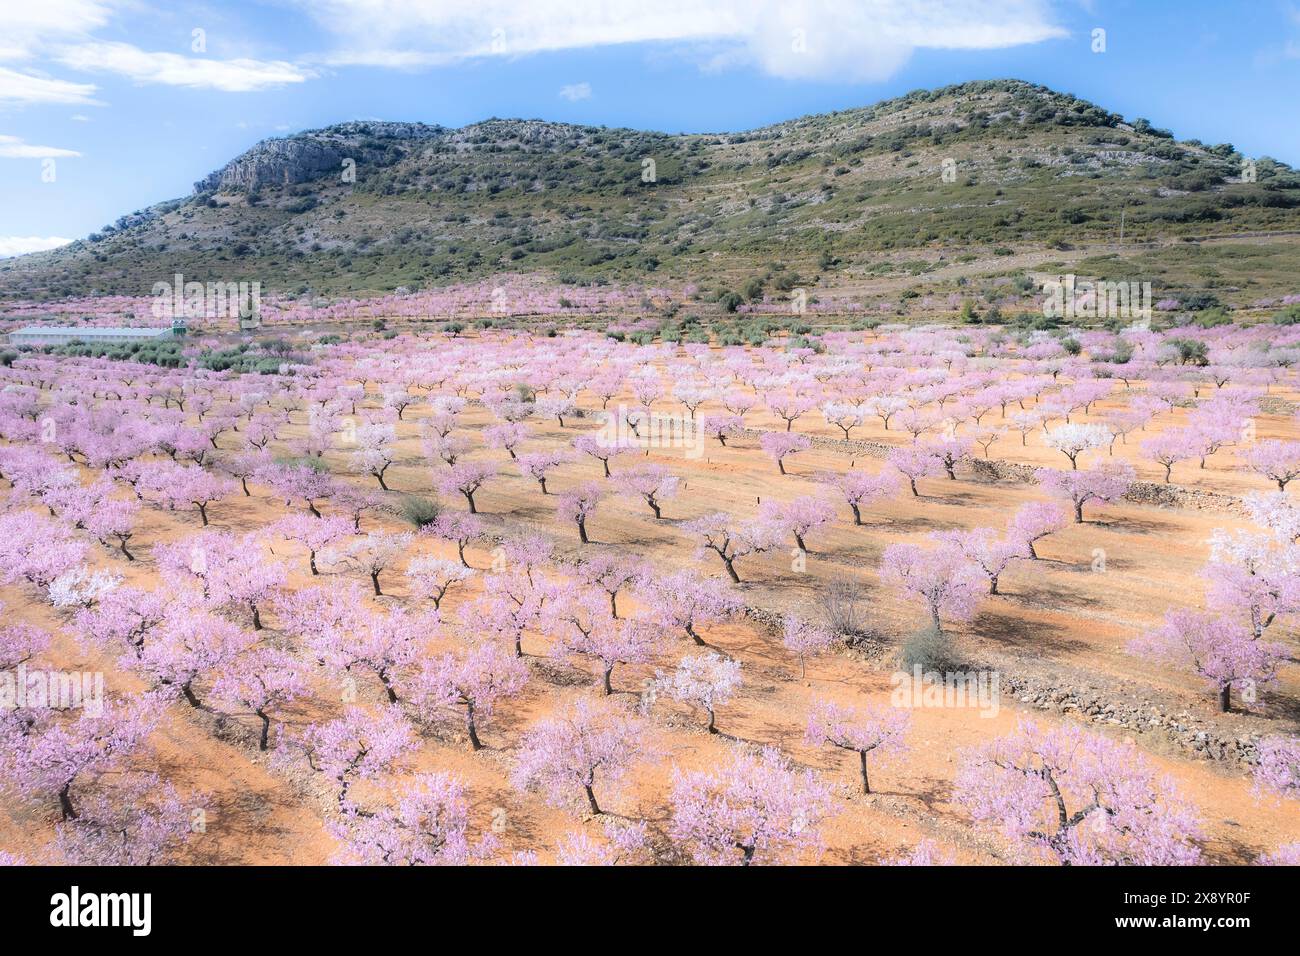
{"x": 313, "y": 155}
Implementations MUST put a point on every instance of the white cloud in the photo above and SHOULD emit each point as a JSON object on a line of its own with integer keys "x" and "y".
{"x": 18, "y": 87}
{"x": 11, "y": 147}
{"x": 26, "y": 25}
{"x": 576, "y": 91}
{"x": 172, "y": 69}
{"x": 845, "y": 40}
{"x": 21, "y": 245}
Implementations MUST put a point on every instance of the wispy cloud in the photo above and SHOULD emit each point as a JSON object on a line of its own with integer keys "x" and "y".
{"x": 22, "y": 88}
{"x": 12, "y": 147}
{"x": 172, "y": 69}
{"x": 576, "y": 91}
{"x": 21, "y": 245}
{"x": 846, "y": 40}
{"x": 26, "y": 27}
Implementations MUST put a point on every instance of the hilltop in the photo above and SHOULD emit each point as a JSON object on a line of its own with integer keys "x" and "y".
{"x": 1002, "y": 174}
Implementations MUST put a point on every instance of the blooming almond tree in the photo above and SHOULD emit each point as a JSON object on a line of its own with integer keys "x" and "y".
{"x": 466, "y": 478}
{"x": 1071, "y": 796}
{"x": 1278, "y": 771}
{"x": 611, "y": 573}
{"x": 113, "y": 519}
{"x": 949, "y": 450}
{"x": 376, "y": 552}
{"x": 509, "y": 436}
{"x": 798, "y": 518}
{"x": 583, "y": 745}
{"x": 432, "y": 577}
{"x": 538, "y": 465}
{"x": 426, "y": 825}
{"x": 986, "y": 550}
{"x": 375, "y": 452}
{"x": 704, "y": 681}
{"x": 684, "y": 601}
{"x": 862, "y": 489}
{"x": 261, "y": 680}
{"x": 781, "y": 445}
{"x": 228, "y": 573}
{"x": 583, "y": 625}
{"x": 878, "y": 730}
{"x": 316, "y": 535}
{"x": 1170, "y": 447}
{"x": 938, "y": 578}
{"x": 1036, "y": 521}
{"x": 190, "y": 643}
{"x": 343, "y": 632}
{"x": 601, "y": 449}
{"x": 916, "y": 461}
{"x": 1221, "y": 651}
{"x": 460, "y": 528}
{"x": 357, "y": 746}
{"x": 475, "y": 679}
{"x": 125, "y": 616}
{"x": 1073, "y": 440}
{"x": 579, "y": 505}
{"x": 730, "y": 543}
{"x": 654, "y": 484}
{"x": 1105, "y": 483}
{"x": 753, "y": 810}
{"x": 76, "y": 753}
{"x": 138, "y": 821}
{"x": 1277, "y": 461}
{"x": 804, "y": 640}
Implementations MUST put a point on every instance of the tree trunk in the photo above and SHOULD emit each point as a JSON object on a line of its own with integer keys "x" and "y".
{"x": 266, "y": 729}
{"x": 591, "y": 801}
{"x": 374, "y": 580}
{"x": 469, "y": 496}
{"x": 857, "y": 513}
{"x": 474, "y": 742}
{"x": 582, "y": 531}
{"x": 1225, "y": 698}
{"x": 866, "y": 784}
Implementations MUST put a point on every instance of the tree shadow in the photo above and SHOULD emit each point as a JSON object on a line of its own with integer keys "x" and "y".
{"x": 1033, "y": 637}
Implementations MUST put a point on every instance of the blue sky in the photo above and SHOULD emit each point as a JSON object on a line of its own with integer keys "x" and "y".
{"x": 133, "y": 105}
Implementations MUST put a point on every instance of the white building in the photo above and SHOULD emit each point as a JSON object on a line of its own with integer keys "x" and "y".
{"x": 37, "y": 335}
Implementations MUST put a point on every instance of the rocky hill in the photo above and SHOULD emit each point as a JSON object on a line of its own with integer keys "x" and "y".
{"x": 994, "y": 171}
